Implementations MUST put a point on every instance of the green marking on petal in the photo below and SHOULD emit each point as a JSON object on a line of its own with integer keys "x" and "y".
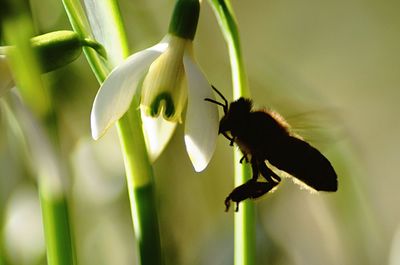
{"x": 163, "y": 100}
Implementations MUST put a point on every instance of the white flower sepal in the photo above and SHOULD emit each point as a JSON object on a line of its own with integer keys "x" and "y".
{"x": 171, "y": 78}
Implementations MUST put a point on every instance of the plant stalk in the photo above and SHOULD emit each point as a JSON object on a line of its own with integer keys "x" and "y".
{"x": 139, "y": 172}
{"x": 18, "y": 31}
{"x": 244, "y": 231}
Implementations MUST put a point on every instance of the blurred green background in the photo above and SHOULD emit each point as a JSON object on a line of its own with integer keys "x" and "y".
{"x": 331, "y": 67}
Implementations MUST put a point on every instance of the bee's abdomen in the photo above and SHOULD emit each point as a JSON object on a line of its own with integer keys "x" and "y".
{"x": 306, "y": 163}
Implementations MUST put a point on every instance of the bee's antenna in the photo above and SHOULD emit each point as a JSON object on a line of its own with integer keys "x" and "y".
{"x": 225, "y": 106}
{"x": 220, "y": 94}
{"x": 215, "y": 102}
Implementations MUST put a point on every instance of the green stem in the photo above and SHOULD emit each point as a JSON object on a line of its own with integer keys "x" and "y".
{"x": 244, "y": 248}
{"x": 3, "y": 258}
{"x": 139, "y": 175}
{"x": 55, "y": 219}
{"x": 26, "y": 69}
{"x": 184, "y": 19}
{"x": 76, "y": 17}
{"x": 139, "y": 172}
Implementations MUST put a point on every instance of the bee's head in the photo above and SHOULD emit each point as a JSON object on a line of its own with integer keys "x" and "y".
{"x": 225, "y": 125}
{"x": 240, "y": 107}
{"x": 234, "y": 112}
{"x": 235, "y": 115}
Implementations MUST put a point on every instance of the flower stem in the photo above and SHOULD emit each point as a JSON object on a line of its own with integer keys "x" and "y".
{"x": 26, "y": 69}
{"x": 244, "y": 246}
{"x": 76, "y": 17}
{"x": 139, "y": 172}
{"x": 185, "y": 18}
{"x": 141, "y": 189}
{"x": 56, "y": 220}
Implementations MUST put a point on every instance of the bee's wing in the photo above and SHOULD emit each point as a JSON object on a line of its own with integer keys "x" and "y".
{"x": 321, "y": 127}
{"x": 301, "y": 160}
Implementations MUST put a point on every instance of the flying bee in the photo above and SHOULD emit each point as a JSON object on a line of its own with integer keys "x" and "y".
{"x": 264, "y": 136}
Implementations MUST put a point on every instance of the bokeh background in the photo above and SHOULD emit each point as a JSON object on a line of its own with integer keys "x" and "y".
{"x": 331, "y": 67}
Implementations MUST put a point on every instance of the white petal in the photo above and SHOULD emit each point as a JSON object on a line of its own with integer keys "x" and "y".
{"x": 116, "y": 93}
{"x": 157, "y": 133}
{"x": 201, "y": 124}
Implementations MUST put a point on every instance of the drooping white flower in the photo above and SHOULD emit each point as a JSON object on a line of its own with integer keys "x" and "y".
{"x": 168, "y": 80}
{"x": 171, "y": 78}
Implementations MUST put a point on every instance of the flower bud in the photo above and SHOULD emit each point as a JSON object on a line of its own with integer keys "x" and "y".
{"x": 59, "y": 48}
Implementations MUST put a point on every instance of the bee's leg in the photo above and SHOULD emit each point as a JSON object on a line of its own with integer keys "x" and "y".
{"x": 252, "y": 189}
{"x": 245, "y": 158}
{"x": 245, "y": 191}
{"x": 231, "y": 139}
{"x": 267, "y": 173}
{"x": 237, "y": 195}
{"x": 227, "y": 203}
{"x": 254, "y": 167}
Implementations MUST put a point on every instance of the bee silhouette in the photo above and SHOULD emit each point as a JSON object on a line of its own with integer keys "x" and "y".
{"x": 262, "y": 136}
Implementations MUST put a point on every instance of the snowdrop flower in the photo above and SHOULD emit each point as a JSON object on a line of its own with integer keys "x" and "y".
{"x": 168, "y": 79}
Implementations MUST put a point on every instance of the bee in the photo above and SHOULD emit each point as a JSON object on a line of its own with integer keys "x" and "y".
{"x": 264, "y": 136}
